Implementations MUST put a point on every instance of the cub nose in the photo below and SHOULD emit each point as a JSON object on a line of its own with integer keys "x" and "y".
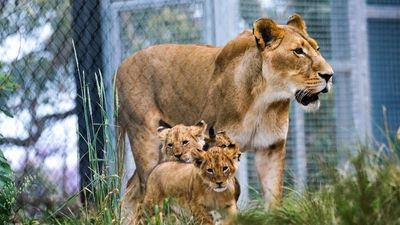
{"x": 178, "y": 156}
{"x": 325, "y": 76}
{"x": 219, "y": 183}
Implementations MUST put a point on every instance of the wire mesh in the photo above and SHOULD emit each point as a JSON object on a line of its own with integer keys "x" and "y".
{"x": 383, "y": 2}
{"x": 385, "y": 93}
{"x": 42, "y": 141}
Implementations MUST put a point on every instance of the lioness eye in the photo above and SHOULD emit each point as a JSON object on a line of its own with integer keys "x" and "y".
{"x": 299, "y": 51}
{"x": 211, "y": 171}
{"x": 225, "y": 168}
{"x": 185, "y": 142}
{"x": 170, "y": 145}
{"x": 318, "y": 49}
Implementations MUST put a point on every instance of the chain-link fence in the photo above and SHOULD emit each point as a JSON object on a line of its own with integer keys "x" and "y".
{"x": 41, "y": 139}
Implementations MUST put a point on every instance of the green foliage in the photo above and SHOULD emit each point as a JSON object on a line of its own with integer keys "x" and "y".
{"x": 8, "y": 191}
{"x": 43, "y": 68}
{"x": 159, "y": 25}
{"x": 104, "y": 188}
{"x": 367, "y": 193}
{"x": 7, "y": 87}
{"x": 165, "y": 215}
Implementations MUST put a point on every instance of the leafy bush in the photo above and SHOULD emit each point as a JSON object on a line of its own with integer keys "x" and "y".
{"x": 7, "y": 86}
{"x": 8, "y": 191}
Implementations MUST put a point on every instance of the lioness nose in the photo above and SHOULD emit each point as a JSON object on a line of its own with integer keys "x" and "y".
{"x": 325, "y": 76}
{"x": 178, "y": 156}
{"x": 219, "y": 183}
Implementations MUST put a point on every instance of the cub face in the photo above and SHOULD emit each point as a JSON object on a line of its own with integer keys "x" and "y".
{"x": 217, "y": 166}
{"x": 222, "y": 140}
{"x": 180, "y": 141}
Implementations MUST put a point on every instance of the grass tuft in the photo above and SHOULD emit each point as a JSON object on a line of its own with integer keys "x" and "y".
{"x": 366, "y": 193}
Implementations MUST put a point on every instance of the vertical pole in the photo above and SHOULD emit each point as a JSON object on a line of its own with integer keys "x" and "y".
{"x": 300, "y": 149}
{"x": 226, "y": 27}
{"x": 227, "y": 20}
{"x": 357, "y": 14}
{"x": 342, "y": 79}
{"x": 87, "y": 37}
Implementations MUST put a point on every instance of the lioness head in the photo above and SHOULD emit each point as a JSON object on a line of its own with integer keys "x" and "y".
{"x": 179, "y": 141}
{"x": 292, "y": 61}
{"x": 217, "y": 166}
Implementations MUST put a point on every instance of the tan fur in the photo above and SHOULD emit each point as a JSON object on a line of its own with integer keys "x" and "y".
{"x": 180, "y": 141}
{"x": 222, "y": 140}
{"x": 178, "y": 144}
{"x": 243, "y": 88}
{"x": 207, "y": 184}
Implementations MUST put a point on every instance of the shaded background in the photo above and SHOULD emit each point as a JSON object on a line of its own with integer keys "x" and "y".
{"x": 359, "y": 38}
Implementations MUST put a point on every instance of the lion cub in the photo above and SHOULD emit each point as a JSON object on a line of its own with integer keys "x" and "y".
{"x": 205, "y": 185}
{"x": 178, "y": 142}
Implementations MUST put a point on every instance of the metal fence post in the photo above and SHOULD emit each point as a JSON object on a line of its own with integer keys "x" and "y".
{"x": 226, "y": 27}
{"x": 87, "y": 37}
{"x": 300, "y": 179}
{"x": 358, "y": 36}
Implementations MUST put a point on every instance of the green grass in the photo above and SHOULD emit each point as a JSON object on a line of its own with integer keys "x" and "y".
{"x": 368, "y": 192}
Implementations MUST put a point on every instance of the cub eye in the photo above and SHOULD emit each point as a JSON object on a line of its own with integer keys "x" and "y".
{"x": 225, "y": 169}
{"x": 170, "y": 145}
{"x": 210, "y": 171}
{"x": 299, "y": 51}
{"x": 185, "y": 142}
{"x": 223, "y": 146}
{"x": 318, "y": 49}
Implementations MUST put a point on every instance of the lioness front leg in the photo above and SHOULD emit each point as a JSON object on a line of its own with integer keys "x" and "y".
{"x": 145, "y": 148}
{"x": 270, "y": 164}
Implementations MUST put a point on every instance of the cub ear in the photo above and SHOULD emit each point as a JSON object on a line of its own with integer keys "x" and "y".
{"x": 238, "y": 156}
{"x": 197, "y": 162}
{"x": 297, "y": 21}
{"x": 233, "y": 151}
{"x": 200, "y": 128}
{"x": 162, "y": 123}
{"x": 162, "y": 132}
{"x": 266, "y": 32}
{"x": 211, "y": 133}
{"x": 206, "y": 146}
{"x": 197, "y": 156}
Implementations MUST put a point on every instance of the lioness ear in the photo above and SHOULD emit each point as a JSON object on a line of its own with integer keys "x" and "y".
{"x": 200, "y": 128}
{"x": 266, "y": 32}
{"x": 297, "y": 21}
{"x": 162, "y": 132}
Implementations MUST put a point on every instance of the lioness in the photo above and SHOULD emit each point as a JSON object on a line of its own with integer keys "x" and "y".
{"x": 244, "y": 88}
{"x": 207, "y": 184}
